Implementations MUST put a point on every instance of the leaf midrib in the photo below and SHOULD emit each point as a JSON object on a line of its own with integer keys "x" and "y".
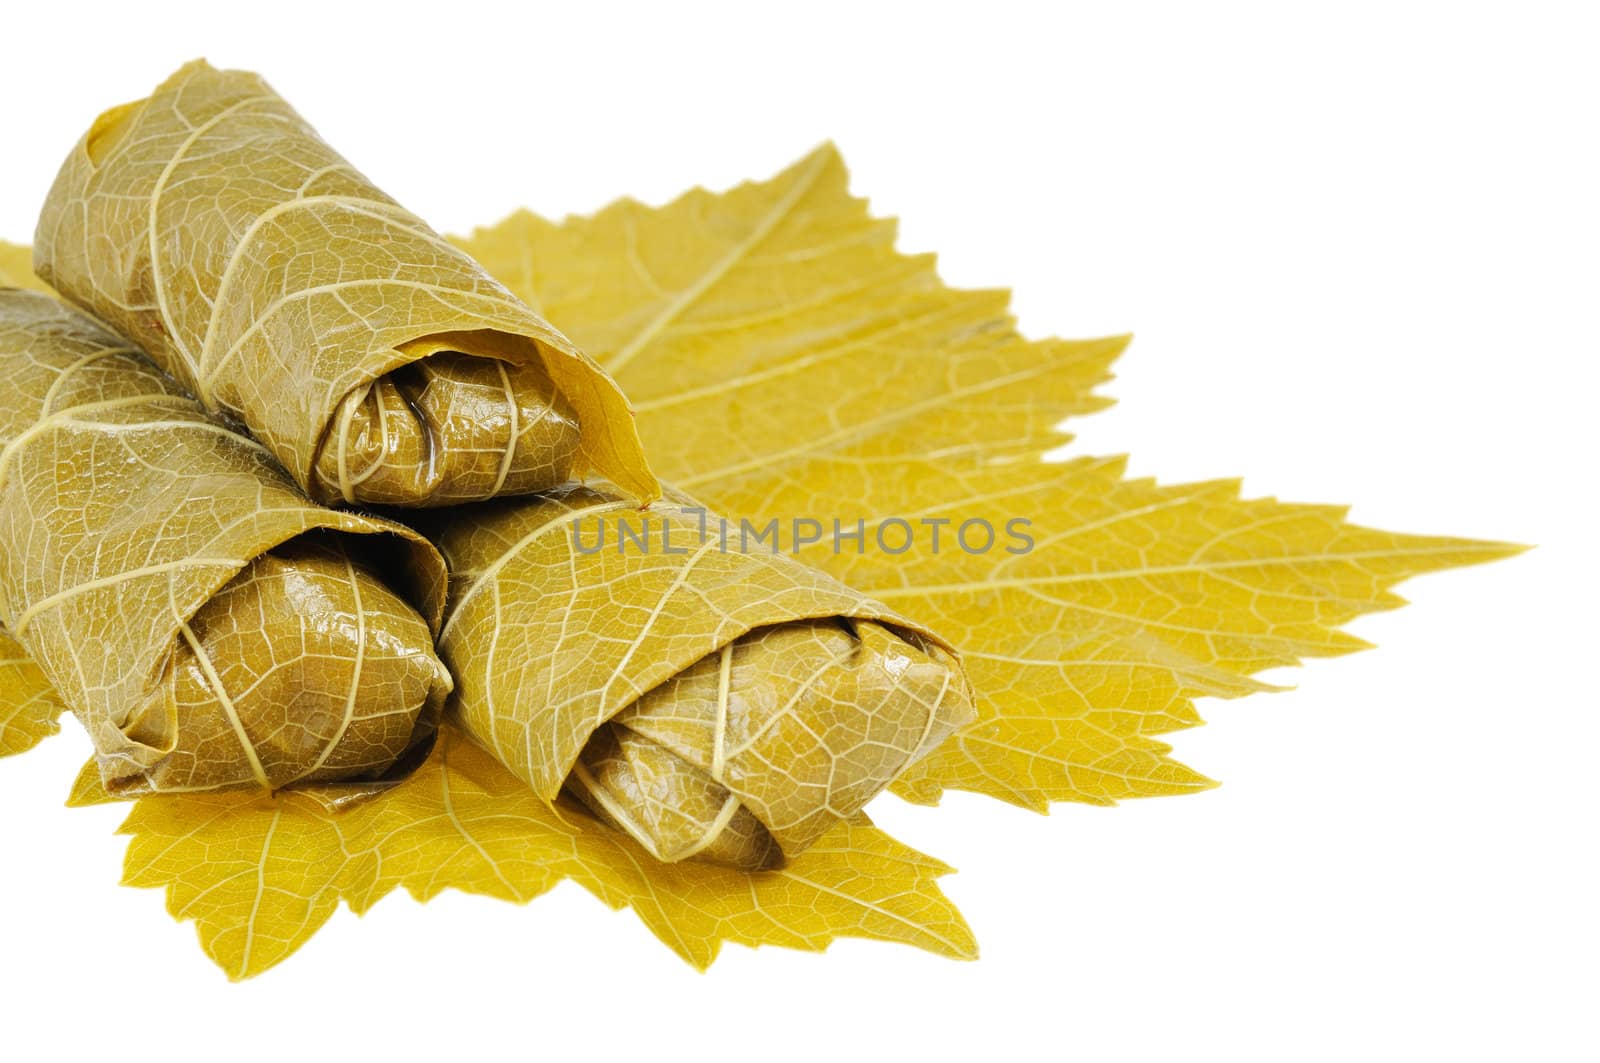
{"x": 719, "y": 269}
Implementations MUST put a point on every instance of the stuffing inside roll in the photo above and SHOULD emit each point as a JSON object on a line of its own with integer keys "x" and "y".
{"x": 750, "y": 755}
{"x": 306, "y": 667}
{"x": 448, "y": 429}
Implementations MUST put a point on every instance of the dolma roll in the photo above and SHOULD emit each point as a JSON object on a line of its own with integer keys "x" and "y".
{"x": 210, "y": 225}
{"x": 208, "y": 624}
{"x": 715, "y": 701}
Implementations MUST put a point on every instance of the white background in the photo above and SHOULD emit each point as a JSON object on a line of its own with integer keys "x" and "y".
{"x": 1359, "y": 250}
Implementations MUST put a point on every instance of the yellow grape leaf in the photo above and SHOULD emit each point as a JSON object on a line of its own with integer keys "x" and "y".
{"x": 786, "y": 361}
{"x": 774, "y": 322}
{"x": 29, "y": 709}
{"x": 1136, "y": 599}
{"x": 16, "y": 268}
{"x": 259, "y": 875}
{"x": 87, "y": 789}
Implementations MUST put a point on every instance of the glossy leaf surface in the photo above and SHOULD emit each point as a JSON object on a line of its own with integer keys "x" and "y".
{"x": 207, "y": 623}
{"x": 212, "y": 226}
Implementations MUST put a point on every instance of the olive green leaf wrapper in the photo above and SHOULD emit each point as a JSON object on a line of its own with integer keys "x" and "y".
{"x": 381, "y": 365}
{"x": 712, "y": 700}
{"x": 29, "y": 708}
{"x": 209, "y": 625}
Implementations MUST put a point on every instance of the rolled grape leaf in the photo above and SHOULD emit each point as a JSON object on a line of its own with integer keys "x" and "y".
{"x": 210, "y": 225}
{"x": 209, "y": 625}
{"x": 715, "y": 700}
